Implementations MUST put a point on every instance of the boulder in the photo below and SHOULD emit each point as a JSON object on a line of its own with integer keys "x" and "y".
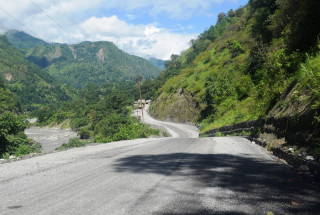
{"x": 303, "y": 168}
{"x": 310, "y": 158}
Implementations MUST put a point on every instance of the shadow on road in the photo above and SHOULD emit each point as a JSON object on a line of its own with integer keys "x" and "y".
{"x": 259, "y": 184}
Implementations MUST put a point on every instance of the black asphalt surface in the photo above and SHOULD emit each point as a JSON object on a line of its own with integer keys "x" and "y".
{"x": 227, "y": 175}
{"x": 178, "y": 175}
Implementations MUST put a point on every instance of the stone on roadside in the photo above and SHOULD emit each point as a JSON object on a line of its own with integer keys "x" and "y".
{"x": 303, "y": 168}
{"x": 310, "y": 158}
{"x": 291, "y": 150}
{"x": 12, "y": 157}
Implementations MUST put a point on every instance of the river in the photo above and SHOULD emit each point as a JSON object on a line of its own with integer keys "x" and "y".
{"x": 50, "y": 138}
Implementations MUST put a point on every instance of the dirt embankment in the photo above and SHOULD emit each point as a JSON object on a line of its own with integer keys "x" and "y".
{"x": 290, "y": 130}
{"x": 178, "y": 107}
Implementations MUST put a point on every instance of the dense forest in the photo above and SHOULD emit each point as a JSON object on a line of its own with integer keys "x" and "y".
{"x": 13, "y": 140}
{"x": 32, "y": 85}
{"x": 99, "y": 113}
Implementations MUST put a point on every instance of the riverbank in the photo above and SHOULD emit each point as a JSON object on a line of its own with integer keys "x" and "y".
{"x": 50, "y": 138}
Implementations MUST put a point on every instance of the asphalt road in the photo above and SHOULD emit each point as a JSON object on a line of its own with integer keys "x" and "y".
{"x": 178, "y": 175}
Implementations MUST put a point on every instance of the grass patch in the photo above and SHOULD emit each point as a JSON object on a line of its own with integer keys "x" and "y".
{"x": 73, "y": 143}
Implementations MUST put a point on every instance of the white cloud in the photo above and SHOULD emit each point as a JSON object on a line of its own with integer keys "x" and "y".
{"x": 142, "y": 40}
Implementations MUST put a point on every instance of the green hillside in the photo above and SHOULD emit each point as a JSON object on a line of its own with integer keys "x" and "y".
{"x": 157, "y": 62}
{"x": 86, "y": 63}
{"x": 21, "y": 40}
{"x": 244, "y": 66}
{"x": 29, "y": 82}
{"x": 8, "y": 101}
{"x": 13, "y": 140}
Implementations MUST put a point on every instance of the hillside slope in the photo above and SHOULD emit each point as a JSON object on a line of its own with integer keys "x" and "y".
{"x": 238, "y": 69}
{"x": 257, "y": 71}
{"x": 21, "y": 40}
{"x": 87, "y": 63}
{"x": 8, "y": 101}
{"x": 29, "y": 82}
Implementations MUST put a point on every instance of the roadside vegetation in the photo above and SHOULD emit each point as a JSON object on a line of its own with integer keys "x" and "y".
{"x": 13, "y": 140}
{"x": 238, "y": 69}
{"x": 259, "y": 62}
{"x": 101, "y": 114}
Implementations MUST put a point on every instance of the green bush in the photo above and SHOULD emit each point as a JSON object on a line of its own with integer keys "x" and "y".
{"x": 79, "y": 122}
{"x": 84, "y": 133}
{"x": 73, "y": 143}
{"x": 13, "y": 140}
{"x": 219, "y": 134}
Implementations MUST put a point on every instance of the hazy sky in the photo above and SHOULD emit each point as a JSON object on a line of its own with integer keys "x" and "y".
{"x": 142, "y": 27}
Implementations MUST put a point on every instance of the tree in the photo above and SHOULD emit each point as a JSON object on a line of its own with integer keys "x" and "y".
{"x": 11, "y": 132}
{"x": 298, "y": 21}
{"x": 221, "y": 16}
{"x": 231, "y": 13}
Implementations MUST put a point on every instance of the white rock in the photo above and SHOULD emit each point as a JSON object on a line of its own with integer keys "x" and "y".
{"x": 253, "y": 142}
{"x": 291, "y": 150}
{"x": 310, "y": 158}
{"x": 12, "y": 157}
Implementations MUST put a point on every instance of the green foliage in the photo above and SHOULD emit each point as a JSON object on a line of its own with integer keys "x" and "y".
{"x": 236, "y": 48}
{"x": 73, "y": 143}
{"x": 298, "y": 22}
{"x": 157, "y": 62}
{"x": 31, "y": 84}
{"x": 22, "y": 40}
{"x": 98, "y": 113}
{"x": 249, "y": 63}
{"x": 13, "y": 141}
{"x": 8, "y": 101}
{"x": 309, "y": 77}
{"x": 219, "y": 134}
{"x": 84, "y": 133}
{"x": 90, "y": 63}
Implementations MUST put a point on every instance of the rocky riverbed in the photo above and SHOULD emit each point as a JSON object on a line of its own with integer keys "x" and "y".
{"x": 50, "y": 138}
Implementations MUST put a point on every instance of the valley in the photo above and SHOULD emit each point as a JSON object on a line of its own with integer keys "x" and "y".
{"x": 233, "y": 126}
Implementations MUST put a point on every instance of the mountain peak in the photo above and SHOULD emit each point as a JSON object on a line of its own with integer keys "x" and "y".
{"x": 22, "y": 40}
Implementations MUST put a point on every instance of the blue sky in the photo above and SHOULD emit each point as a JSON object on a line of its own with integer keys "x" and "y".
{"x": 140, "y": 27}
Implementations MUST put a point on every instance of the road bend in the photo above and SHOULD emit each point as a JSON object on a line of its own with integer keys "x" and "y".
{"x": 178, "y": 175}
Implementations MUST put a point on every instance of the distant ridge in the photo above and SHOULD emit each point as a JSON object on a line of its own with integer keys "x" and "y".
{"x": 30, "y": 83}
{"x": 21, "y": 40}
{"x": 85, "y": 63}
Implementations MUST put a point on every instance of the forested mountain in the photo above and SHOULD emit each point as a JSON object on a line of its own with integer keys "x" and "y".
{"x": 100, "y": 111}
{"x": 8, "y": 101}
{"x": 246, "y": 65}
{"x": 21, "y": 40}
{"x": 157, "y": 62}
{"x": 30, "y": 83}
{"x": 88, "y": 63}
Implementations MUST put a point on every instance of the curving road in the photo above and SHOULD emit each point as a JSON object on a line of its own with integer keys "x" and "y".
{"x": 178, "y": 175}
{"x": 174, "y": 129}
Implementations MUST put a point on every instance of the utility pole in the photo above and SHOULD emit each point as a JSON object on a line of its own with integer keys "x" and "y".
{"x": 139, "y": 78}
